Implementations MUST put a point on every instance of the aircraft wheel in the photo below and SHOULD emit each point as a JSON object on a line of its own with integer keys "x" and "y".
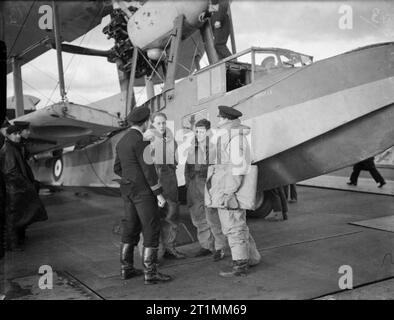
{"x": 262, "y": 211}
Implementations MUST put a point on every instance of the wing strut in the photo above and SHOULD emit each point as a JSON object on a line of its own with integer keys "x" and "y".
{"x": 59, "y": 51}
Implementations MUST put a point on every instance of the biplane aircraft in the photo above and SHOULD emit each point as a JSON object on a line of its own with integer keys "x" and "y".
{"x": 307, "y": 118}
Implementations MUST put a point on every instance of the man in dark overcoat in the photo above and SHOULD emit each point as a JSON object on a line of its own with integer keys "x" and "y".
{"x": 23, "y": 205}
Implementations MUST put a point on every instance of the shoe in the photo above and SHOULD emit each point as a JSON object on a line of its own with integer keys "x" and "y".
{"x": 172, "y": 253}
{"x": 151, "y": 275}
{"x": 239, "y": 269}
{"x": 381, "y": 184}
{"x": 351, "y": 183}
{"x": 127, "y": 269}
{"x": 218, "y": 255}
{"x": 203, "y": 253}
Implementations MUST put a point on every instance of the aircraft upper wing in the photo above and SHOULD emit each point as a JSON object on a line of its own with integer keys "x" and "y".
{"x": 58, "y": 126}
{"x": 20, "y": 29}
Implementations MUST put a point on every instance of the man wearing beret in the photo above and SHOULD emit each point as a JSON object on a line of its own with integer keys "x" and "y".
{"x": 24, "y": 206}
{"x": 223, "y": 181}
{"x": 206, "y": 220}
{"x": 142, "y": 193}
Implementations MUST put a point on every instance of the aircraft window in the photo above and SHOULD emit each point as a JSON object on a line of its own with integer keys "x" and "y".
{"x": 189, "y": 120}
{"x": 210, "y": 82}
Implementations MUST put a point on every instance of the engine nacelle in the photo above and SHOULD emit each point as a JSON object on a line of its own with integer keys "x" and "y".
{"x": 151, "y": 25}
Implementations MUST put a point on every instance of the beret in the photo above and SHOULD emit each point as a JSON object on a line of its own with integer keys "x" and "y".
{"x": 203, "y": 123}
{"x": 22, "y": 124}
{"x": 229, "y": 113}
{"x": 139, "y": 114}
{"x": 12, "y": 129}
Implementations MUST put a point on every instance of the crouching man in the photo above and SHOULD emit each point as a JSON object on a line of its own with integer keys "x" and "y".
{"x": 224, "y": 180}
{"x": 206, "y": 220}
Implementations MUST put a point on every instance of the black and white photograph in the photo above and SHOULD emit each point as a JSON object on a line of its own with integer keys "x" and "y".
{"x": 193, "y": 156}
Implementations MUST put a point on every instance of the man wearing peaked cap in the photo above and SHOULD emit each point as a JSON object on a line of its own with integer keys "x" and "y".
{"x": 24, "y": 206}
{"x": 141, "y": 192}
{"x": 224, "y": 180}
{"x": 22, "y": 124}
{"x": 229, "y": 113}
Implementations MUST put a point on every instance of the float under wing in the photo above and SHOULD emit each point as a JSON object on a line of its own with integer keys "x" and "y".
{"x": 58, "y": 126}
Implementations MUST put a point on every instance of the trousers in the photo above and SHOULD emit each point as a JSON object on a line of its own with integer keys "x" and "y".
{"x": 206, "y": 220}
{"x": 242, "y": 244}
{"x": 141, "y": 215}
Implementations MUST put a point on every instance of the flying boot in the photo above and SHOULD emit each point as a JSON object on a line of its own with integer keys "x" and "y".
{"x": 127, "y": 269}
{"x": 239, "y": 268}
{"x": 150, "y": 261}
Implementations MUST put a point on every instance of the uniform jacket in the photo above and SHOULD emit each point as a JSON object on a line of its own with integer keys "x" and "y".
{"x": 232, "y": 164}
{"x": 163, "y": 151}
{"x": 23, "y": 204}
{"x": 221, "y": 34}
{"x": 134, "y": 164}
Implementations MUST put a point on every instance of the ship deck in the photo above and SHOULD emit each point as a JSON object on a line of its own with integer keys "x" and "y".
{"x": 301, "y": 257}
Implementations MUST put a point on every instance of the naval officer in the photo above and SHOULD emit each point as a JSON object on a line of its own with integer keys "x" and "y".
{"x": 142, "y": 193}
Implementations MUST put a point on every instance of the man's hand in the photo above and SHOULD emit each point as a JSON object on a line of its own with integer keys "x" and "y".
{"x": 217, "y": 24}
{"x": 161, "y": 201}
{"x": 202, "y": 17}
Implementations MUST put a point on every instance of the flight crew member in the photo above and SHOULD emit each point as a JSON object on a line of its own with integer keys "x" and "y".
{"x": 220, "y": 20}
{"x": 206, "y": 220}
{"x": 142, "y": 193}
{"x": 223, "y": 181}
{"x": 24, "y": 206}
{"x": 164, "y": 148}
{"x": 367, "y": 165}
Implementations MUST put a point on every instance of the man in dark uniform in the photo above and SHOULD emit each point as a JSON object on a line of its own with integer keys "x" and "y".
{"x": 367, "y": 165}
{"x": 24, "y": 128}
{"x": 142, "y": 193}
{"x": 220, "y": 20}
{"x": 24, "y": 206}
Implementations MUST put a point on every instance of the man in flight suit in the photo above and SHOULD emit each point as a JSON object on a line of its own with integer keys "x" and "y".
{"x": 206, "y": 220}
{"x": 141, "y": 192}
{"x": 224, "y": 179}
{"x": 163, "y": 146}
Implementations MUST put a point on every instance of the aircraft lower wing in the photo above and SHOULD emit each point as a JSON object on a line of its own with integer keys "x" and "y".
{"x": 58, "y": 126}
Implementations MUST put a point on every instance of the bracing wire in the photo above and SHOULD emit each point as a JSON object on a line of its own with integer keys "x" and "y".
{"x": 73, "y": 56}
{"x": 21, "y": 28}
